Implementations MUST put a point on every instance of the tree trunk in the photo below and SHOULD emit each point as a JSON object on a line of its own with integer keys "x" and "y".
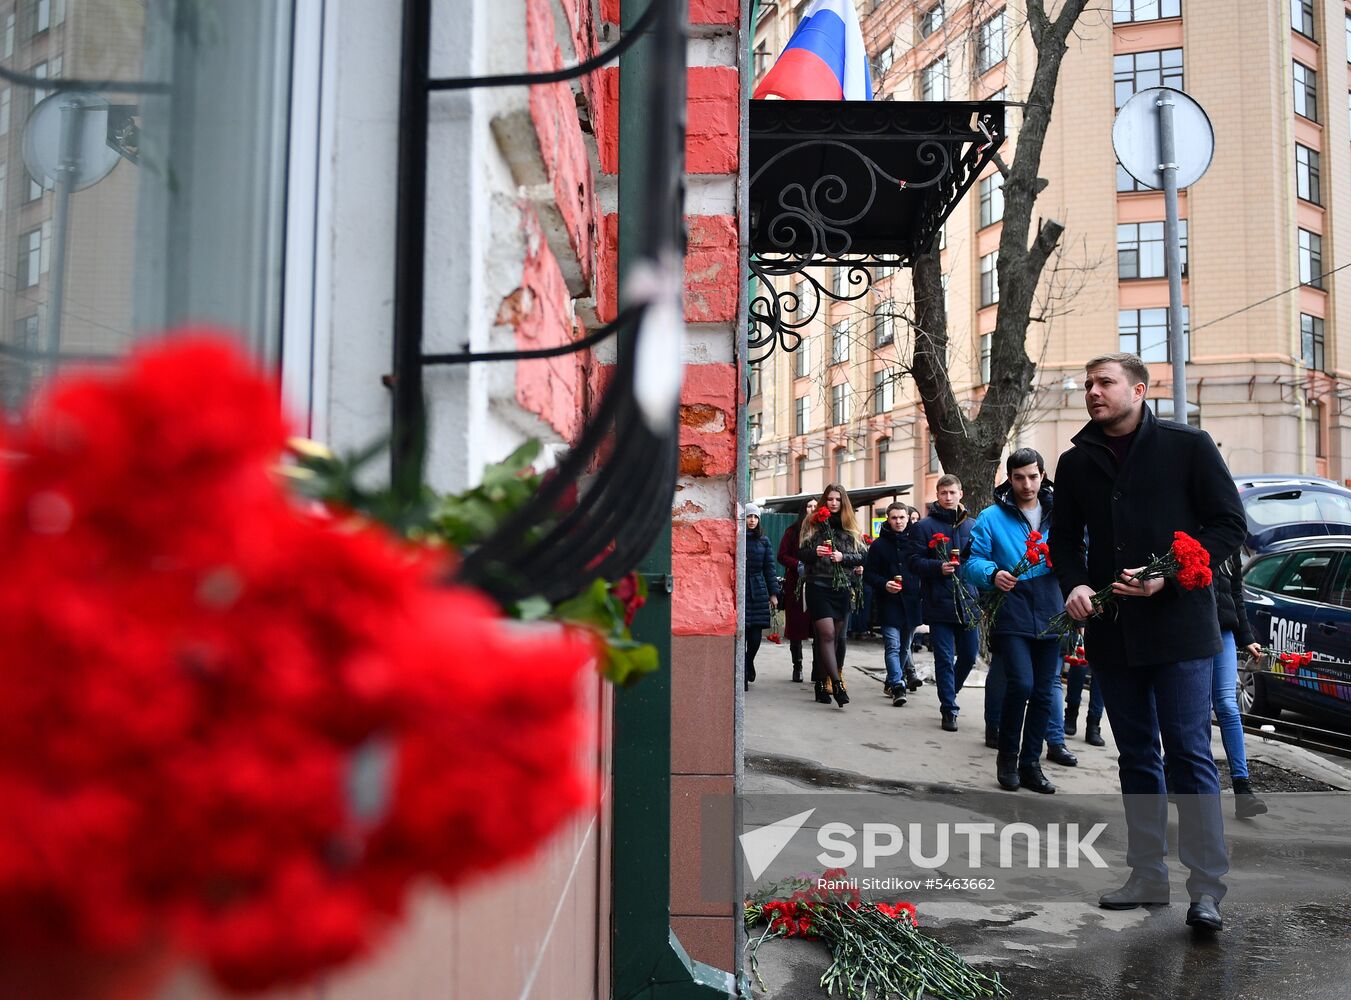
{"x": 970, "y": 446}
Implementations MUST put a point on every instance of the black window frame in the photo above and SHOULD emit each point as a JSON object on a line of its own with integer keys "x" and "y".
{"x": 986, "y": 59}
{"x": 991, "y": 191}
{"x": 927, "y": 24}
{"x": 1167, "y": 75}
{"x": 989, "y": 279}
{"x": 839, "y": 404}
{"x": 1138, "y": 348}
{"x": 1301, "y": 19}
{"x": 1308, "y": 87}
{"x": 1310, "y": 246}
{"x": 1308, "y": 175}
{"x": 1125, "y": 250}
{"x": 802, "y": 416}
{"x": 1134, "y": 7}
{"x": 1313, "y": 342}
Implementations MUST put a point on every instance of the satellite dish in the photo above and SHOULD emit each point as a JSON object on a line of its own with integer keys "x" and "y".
{"x": 1135, "y": 137}
{"x": 91, "y": 156}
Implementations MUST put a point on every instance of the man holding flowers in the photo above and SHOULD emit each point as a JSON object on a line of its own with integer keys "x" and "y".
{"x": 1009, "y": 560}
{"x": 936, "y": 544}
{"x": 1142, "y": 505}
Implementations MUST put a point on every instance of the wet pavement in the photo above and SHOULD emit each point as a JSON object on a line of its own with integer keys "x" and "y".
{"x": 1287, "y": 916}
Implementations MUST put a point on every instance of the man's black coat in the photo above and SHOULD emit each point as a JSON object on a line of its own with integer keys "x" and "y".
{"x": 1173, "y": 479}
{"x": 887, "y": 558}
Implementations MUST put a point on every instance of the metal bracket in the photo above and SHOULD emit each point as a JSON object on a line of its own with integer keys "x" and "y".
{"x": 660, "y": 581}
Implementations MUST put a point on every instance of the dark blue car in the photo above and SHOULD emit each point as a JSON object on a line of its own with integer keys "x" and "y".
{"x": 1298, "y": 597}
{"x": 1282, "y": 507}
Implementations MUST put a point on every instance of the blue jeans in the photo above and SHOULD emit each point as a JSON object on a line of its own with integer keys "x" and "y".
{"x": 896, "y": 651}
{"x": 1224, "y": 696}
{"x": 1168, "y": 703}
{"x": 1074, "y": 690}
{"x": 1029, "y": 694}
{"x": 955, "y": 650}
{"x": 995, "y": 685}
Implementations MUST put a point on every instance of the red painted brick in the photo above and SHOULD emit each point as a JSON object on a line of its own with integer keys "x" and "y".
{"x": 553, "y": 110}
{"x": 713, "y": 107}
{"x": 539, "y": 310}
{"x": 607, "y": 269}
{"x": 708, "y": 420}
{"x": 712, "y": 269}
{"x": 609, "y": 11}
{"x": 703, "y": 564}
{"x": 605, "y": 118}
{"x": 714, "y": 11}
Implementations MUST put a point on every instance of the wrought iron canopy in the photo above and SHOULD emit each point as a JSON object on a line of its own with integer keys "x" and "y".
{"x": 859, "y": 184}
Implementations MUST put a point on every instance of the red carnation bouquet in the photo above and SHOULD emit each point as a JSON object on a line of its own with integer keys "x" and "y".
{"x": 1034, "y": 554}
{"x": 232, "y": 730}
{"x": 961, "y": 597}
{"x": 1186, "y": 561}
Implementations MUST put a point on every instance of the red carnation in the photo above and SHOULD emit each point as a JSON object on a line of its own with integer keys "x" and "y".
{"x": 822, "y": 515}
{"x": 1034, "y": 536}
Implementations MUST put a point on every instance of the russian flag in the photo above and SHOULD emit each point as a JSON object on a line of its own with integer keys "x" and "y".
{"x": 824, "y": 60}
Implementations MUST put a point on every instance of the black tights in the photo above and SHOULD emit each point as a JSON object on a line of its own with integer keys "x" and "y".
{"x": 830, "y": 643}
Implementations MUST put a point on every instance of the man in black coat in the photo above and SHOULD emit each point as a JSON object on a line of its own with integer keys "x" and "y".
{"x": 896, "y": 597}
{"x": 950, "y": 608}
{"x": 1130, "y": 481}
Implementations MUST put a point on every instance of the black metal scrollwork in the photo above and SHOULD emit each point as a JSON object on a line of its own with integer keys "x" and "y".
{"x": 827, "y": 179}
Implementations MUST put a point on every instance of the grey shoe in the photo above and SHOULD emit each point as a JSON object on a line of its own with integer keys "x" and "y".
{"x": 1139, "y": 890}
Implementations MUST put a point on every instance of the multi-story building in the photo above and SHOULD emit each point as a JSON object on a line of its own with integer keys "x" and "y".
{"x": 1266, "y": 231}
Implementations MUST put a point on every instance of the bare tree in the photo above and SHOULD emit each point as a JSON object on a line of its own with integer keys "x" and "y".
{"x": 970, "y": 445}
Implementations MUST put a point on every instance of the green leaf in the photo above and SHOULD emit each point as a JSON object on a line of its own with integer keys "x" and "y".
{"x": 591, "y": 607}
{"x": 530, "y": 609}
{"x": 626, "y": 661}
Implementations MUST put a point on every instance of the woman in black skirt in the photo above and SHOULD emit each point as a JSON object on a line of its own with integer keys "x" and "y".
{"x": 832, "y": 546}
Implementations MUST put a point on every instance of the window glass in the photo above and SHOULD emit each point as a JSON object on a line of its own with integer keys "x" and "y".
{"x": 185, "y": 221}
{"x": 1144, "y": 10}
{"x": 1303, "y": 576}
{"x": 1333, "y": 508}
{"x": 1282, "y": 506}
{"x": 1339, "y": 593}
{"x": 1261, "y": 571}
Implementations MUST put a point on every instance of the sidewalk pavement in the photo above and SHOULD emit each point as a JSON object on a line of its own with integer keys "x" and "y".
{"x": 1287, "y": 926}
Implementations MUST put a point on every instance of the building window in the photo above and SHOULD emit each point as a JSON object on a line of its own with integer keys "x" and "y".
{"x": 1142, "y": 70}
{"x": 1125, "y": 182}
{"x": 802, "y": 414}
{"x": 752, "y": 429}
{"x": 1310, "y": 259}
{"x": 34, "y": 188}
{"x": 1307, "y": 174}
{"x": 986, "y": 347}
{"x": 1145, "y": 332}
{"x": 763, "y": 59}
{"x": 989, "y": 279}
{"x": 9, "y": 35}
{"x": 26, "y": 334}
{"x": 1348, "y": 38}
{"x": 991, "y": 199}
{"x": 839, "y": 404}
{"x": 1316, "y": 424}
{"x": 884, "y": 391}
{"x": 1140, "y": 249}
{"x": 5, "y": 98}
{"x": 800, "y": 471}
{"x": 933, "y": 80}
{"x": 41, "y": 11}
{"x": 883, "y": 447}
{"x": 1124, "y": 11}
{"x": 934, "y": 464}
{"x": 1311, "y": 342}
{"x": 883, "y": 60}
{"x": 991, "y": 47}
{"x": 802, "y": 291}
{"x": 753, "y": 377}
{"x": 30, "y": 258}
{"x": 839, "y": 342}
{"x": 884, "y": 324}
{"x": 1306, "y": 92}
{"x": 802, "y": 359}
{"x": 838, "y": 457}
{"x": 838, "y": 284}
{"x": 931, "y": 20}
{"x": 39, "y": 71}
{"x": 1301, "y": 17}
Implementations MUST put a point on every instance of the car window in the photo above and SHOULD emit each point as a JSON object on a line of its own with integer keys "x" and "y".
{"x": 1286, "y": 506}
{"x": 1261, "y": 571}
{"x": 1340, "y": 591}
{"x": 1333, "y": 507}
{"x": 1303, "y": 575}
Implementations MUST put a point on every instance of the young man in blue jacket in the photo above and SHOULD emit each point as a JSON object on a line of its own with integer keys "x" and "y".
{"x": 949, "y": 607}
{"x": 1018, "y": 522}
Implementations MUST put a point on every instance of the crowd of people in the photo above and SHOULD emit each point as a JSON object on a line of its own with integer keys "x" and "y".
{"x": 1160, "y": 661}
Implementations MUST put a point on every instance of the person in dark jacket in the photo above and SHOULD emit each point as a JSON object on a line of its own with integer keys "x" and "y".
{"x": 1020, "y": 517}
{"x": 1132, "y": 480}
{"x": 896, "y": 597}
{"x": 1234, "y": 633}
{"x": 759, "y": 589}
{"x": 831, "y": 549}
{"x": 948, "y": 611}
{"x": 1074, "y": 696}
{"x": 797, "y": 623}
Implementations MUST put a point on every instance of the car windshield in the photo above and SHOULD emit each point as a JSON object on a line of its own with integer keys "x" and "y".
{"x": 1295, "y": 506}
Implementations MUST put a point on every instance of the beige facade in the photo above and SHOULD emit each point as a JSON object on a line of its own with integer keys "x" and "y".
{"x": 1269, "y": 366}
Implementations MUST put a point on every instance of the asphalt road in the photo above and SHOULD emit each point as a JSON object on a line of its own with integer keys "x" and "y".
{"x": 1287, "y": 916}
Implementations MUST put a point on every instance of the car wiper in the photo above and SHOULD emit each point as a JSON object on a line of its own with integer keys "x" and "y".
{"x": 1287, "y": 495}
